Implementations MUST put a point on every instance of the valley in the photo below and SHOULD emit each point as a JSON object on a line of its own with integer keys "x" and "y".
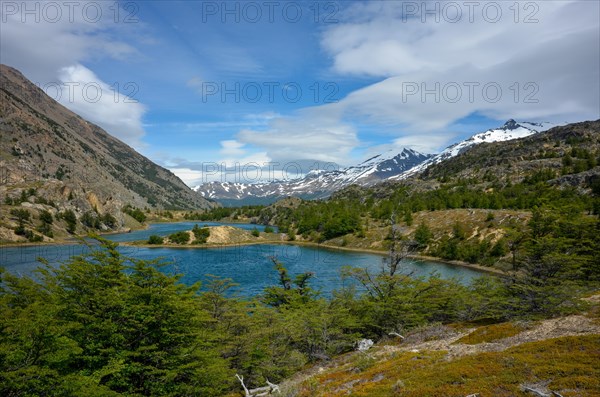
{"x": 442, "y": 240}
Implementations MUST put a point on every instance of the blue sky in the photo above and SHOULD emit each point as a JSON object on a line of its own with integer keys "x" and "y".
{"x": 373, "y": 76}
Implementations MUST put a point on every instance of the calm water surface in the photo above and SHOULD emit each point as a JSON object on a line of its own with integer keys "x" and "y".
{"x": 250, "y": 266}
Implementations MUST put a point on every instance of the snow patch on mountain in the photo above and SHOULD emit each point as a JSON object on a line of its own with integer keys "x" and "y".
{"x": 390, "y": 165}
{"x": 319, "y": 183}
{"x": 509, "y": 131}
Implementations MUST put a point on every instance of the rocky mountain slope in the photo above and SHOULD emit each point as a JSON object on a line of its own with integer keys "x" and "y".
{"x": 509, "y": 131}
{"x": 564, "y": 155}
{"x": 316, "y": 184}
{"x": 50, "y": 151}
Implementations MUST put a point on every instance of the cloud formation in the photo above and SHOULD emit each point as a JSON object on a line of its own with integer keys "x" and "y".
{"x": 85, "y": 94}
{"x": 311, "y": 134}
{"x": 539, "y": 63}
{"x": 49, "y": 42}
{"x": 536, "y": 62}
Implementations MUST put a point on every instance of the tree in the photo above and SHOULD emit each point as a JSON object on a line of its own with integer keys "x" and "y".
{"x": 22, "y": 215}
{"x": 71, "y": 220}
{"x": 46, "y": 223}
{"x": 555, "y": 253}
{"x": 109, "y": 220}
{"x": 154, "y": 239}
{"x": 103, "y": 324}
{"x": 46, "y": 217}
{"x": 182, "y": 237}
{"x": 286, "y": 294}
{"x": 423, "y": 235}
{"x": 90, "y": 219}
{"x": 201, "y": 234}
{"x": 135, "y": 213}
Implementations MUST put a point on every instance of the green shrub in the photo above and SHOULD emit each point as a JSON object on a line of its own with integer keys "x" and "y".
{"x": 22, "y": 215}
{"x": 154, "y": 239}
{"x": 180, "y": 237}
{"x": 135, "y": 213}
{"x": 71, "y": 220}
{"x": 423, "y": 235}
{"x": 90, "y": 220}
{"x": 109, "y": 220}
{"x": 201, "y": 234}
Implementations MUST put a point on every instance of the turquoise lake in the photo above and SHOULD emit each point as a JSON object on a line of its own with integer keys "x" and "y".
{"x": 250, "y": 266}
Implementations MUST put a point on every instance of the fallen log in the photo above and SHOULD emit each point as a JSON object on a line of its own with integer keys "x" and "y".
{"x": 259, "y": 391}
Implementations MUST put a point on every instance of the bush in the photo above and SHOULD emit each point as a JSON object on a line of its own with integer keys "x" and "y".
{"x": 46, "y": 217}
{"x": 90, "y": 220}
{"x": 423, "y": 235}
{"x": 28, "y": 234}
{"x": 154, "y": 239}
{"x": 255, "y": 232}
{"x": 291, "y": 234}
{"x": 46, "y": 222}
{"x": 22, "y": 215}
{"x": 180, "y": 237}
{"x": 268, "y": 229}
{"x": 71, "y": 220}
{"x": 201, "y": 234}
{"x": 135, "y": 213}
{"x": 109, "y": 220}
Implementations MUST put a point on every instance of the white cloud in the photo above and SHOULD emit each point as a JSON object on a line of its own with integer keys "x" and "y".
{"x": 312, "y": 134}
{"x": 558, "y": 56}
{"x": 188, "y": 176}
{"x": 53, "y": 49}
{"x": 232, "y": 148}
{"x": 234, "y": 152}
{"x": 85, "y": 94}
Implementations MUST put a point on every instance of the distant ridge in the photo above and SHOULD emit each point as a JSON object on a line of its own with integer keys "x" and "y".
{"x": 316, "y": 184}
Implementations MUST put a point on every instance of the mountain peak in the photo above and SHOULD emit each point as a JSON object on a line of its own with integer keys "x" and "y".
{"x": 511, "y": 125}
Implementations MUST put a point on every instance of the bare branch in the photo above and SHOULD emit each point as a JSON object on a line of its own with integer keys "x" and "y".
{"x": 259, "y": 391}
{"x": 241, "y": 379}
{"x": 397, "y": 335}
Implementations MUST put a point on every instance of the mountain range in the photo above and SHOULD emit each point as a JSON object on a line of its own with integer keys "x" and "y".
{"x": 316, "y": 184}
{"x": 388, "y": 166}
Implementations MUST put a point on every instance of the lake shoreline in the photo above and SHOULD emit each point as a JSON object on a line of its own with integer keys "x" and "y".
{"x": 383, "y": 253}
{"x": 142, "y": 244}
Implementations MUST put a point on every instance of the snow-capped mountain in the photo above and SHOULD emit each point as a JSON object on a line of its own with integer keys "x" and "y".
{"x": 391, "y": 166}
{"x": 509, "y": 131}
{"x": 316, "y": 184}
